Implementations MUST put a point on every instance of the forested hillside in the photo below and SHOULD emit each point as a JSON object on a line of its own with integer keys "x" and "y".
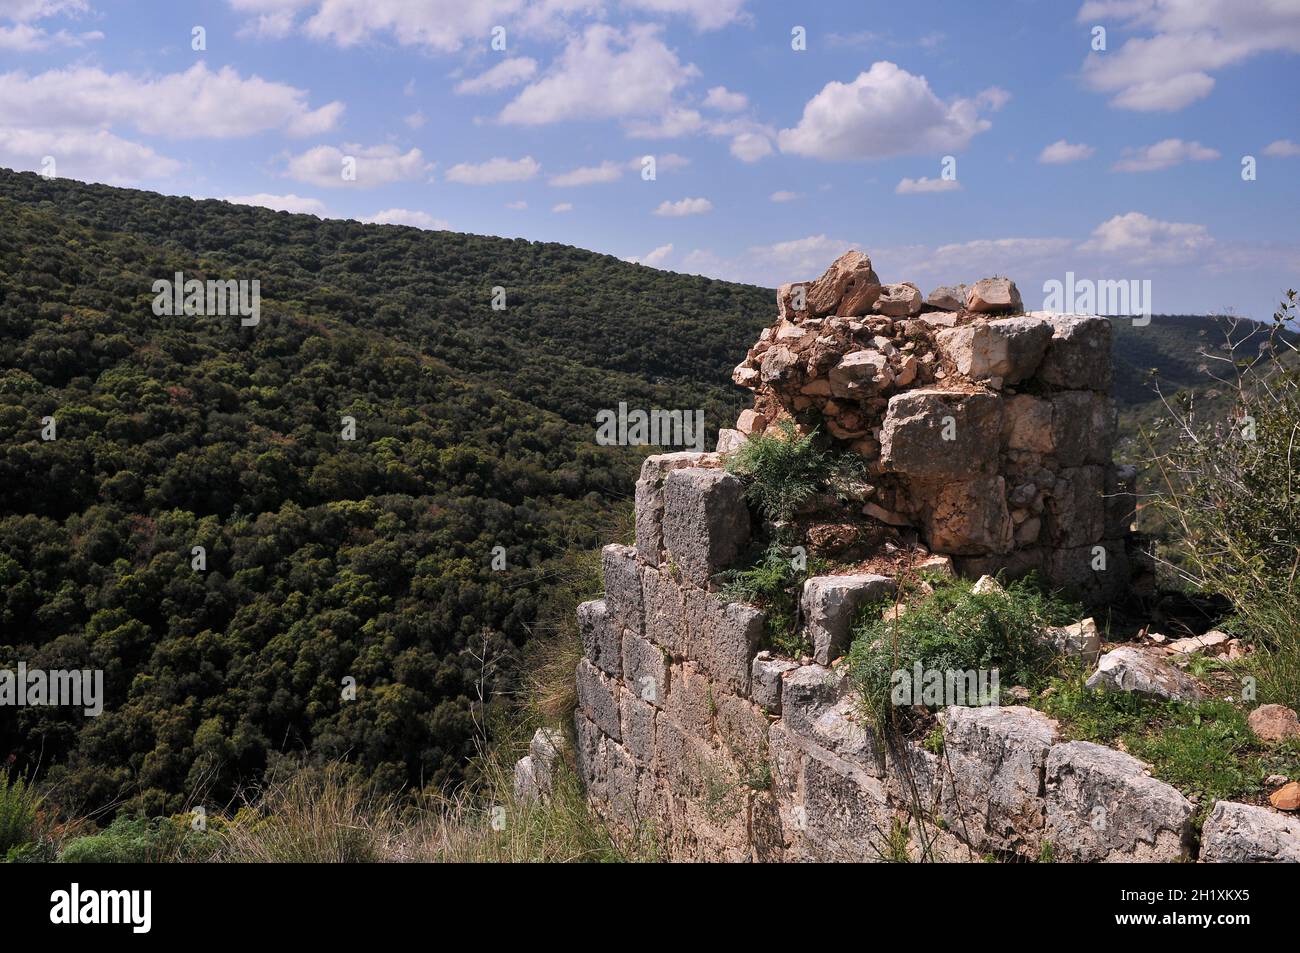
{"x": 326, "y": 559}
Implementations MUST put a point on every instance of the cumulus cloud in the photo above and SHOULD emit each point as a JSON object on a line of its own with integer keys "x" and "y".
{"x": 23, "y": 36}
{"x": 1142, "y": 239}
{"x": 1282, "y": 149}
{"x": 507, "y": 73}
{"x": 494, "y": 171}
{"x": 281, "y": 203}
{"x": 886, "y": 111}
{"x": 1189, "y": 41}
{"x": 783, "y": 196}
{"x": 406, "y": 216}
{"x": 590, "y": 175}
{"x": 1163, "y": 155}
{"x": 374, "y": 165}
{"x": 562, "y": 207}
{"x": 655, "y": 257}
{"x": 724, "y": 100}
{"x": 704, "y": 14}
{"x": 197, "y": 104}
{"x": 1061, "y": 152}
{"x": 924, "y": 184}
{"x": 93, "y": 155}
{"x": 684, "y": 207}
{"x": 605, "y": 73}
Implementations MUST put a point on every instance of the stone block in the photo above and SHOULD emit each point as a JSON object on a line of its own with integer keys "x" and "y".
{"x": 598, "y": 697}
{"x": 624, "y": 602}
{"x": 650, "y": 500}
{"x": 637, "y": 727}
{"x": 1005, "y": 351}
{"x": 723, "y": 637}
{"x": 1075, "y": 514}
{"x": 601, "y": 642}
{"x": 970, "y": 518}
{"x": 765, "y": 681}
{"x": 706, "y": 522}
{"x": 1131, "y": 670}
{"x": 665, "y": 610}
{"x": 828, "y": 605}
{"x": 645, "y": 669}
{"x": 1078, "y": 355}
{"x": 930, "y": 434}
{"x": 1244, "y": 834}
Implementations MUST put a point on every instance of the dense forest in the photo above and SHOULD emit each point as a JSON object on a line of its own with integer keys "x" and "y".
{"x": 326, "y": 559}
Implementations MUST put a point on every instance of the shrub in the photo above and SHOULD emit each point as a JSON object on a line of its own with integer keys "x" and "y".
{"x": 954, "y": 629}
{"x": 782, "y": 470}
{"x": 1230, "y": 490}
{"x": 18, "y": 804}
{"x": 772, "y": 582}
{"x": 141, "y": 840}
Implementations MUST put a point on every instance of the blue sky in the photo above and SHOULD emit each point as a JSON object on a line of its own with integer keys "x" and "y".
{"x": 1122, "y": 163}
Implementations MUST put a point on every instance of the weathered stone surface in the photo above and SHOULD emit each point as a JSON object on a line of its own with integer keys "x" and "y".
{"x": 848, "y": 288}
{"x": 742, "y": 726}
{"x": 828, "y": 604}
{"x": 1005, "y": 351}
{"x": 1078, "y": 356}
{"x": 601, "y": 642}
{"x": 899, "y": 300}
{"x": 765, "y": 683}
{"x": 730, "y": 441}
{"x": 749, "y": 422}
{"x": 1075, "y": 514}
{"x": 848, "y": 817}
{"x": 1077, "y": 640}
{"x": 990, "y": 295}
{"x": 690, "y": 700}
{"x": 1101, "y": 806}
{"x": 525, "y": 784}
{"x": 645, "y": 669}
{"x": 1083, "y": 428}
{"x": 598, "y": 697}
{"x": 706, "y": 523}
{"x": 947, "y": 298}
{"x": 665, "y": 611}
{"x": 1095, "y": 574}
{"x": 1027, "y": 424}
{"x": 624, "y": 603}
{"x": 1130, "y": 669}
{"x": 819, "y": 709}
{"x": 807, "y": 692}
{"x": 1244, "y": 834}
{"x": 1211, "y": 643}
{"x": 590, "y": 756}
{"x": 724, "y": 638}
{"x": 779, "y": 364}
{"x": 545, "y": 751}
{"x": 637, "y": 727}
{"x": 970, "y": 518}
{"x": 996, "y": 758}
{"x": 650, "y": 499}
{"x": 1274, "y": 723}
{"x": 933, "y": 434}
{"x": 860, "y": 373}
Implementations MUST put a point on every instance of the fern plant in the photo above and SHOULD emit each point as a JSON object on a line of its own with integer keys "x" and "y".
{"x": 18, "y": 803}
{"x": 781, "y": 471}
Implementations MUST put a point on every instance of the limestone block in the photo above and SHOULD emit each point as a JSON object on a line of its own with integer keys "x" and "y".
{"x": 650, "y": 500}
{"x": 1076, "y": 510}
{"x": 665, "y": 611}
{"x": 601, "y": 642}
{"x": 932, "y": 434}
{"x": 598, "y": 698}
{"x": 1244, "y": 834}
{"x": 1078, "y": 356}
{"x": 993, "y": 294}
{"x": 624, "y": 602}
{"x": 1004, "y": 351}
{"x": 765, "y": 681}
{"x": 829, "y": 603}
{"x": 970, "y": 518}
{"x": 637, "y": 727}
{"x": 645, "y": 669}
{"x": 723, "y": 637}
{"x": 706, "y": 523}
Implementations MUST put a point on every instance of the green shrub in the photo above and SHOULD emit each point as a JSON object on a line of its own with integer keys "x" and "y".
{"x": 141, "y": 840}
{"x": 953, "y": 629}
{"x": 782, "y": 470}
{"x": 772, "y": 582}
{"x": 18, "y": 804}
{"x": 1230, "y": 491}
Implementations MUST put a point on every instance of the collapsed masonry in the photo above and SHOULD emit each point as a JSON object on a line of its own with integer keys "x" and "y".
{"x": 687, "y": 730}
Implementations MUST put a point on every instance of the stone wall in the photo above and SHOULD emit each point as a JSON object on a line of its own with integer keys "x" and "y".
{"x": 689, "y": 732}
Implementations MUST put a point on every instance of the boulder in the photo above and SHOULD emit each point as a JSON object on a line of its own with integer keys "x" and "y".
{"x": 1274, "y": 723}
{"x": 750, "y": 422}
{"x": 1005, "y": 351}
{"x": 861, "y": 374}
{"x": 705, "y": 524}
{"x": 848, "y": 288}
{"x": 996, "y": 758}
{"x": 1244, "y": 834}
{"x": 828, "y": 605}
{"x": 1130, "y": 669}
{"x": 1102, "y": 806}
{"x": 1077, "y": 640}
{"x": 525, "y": 783}
{"x": 1078, "y": 356}
{"x": 989, "y": 295}
{"x": 932, "y": 434}
{"x": 947, "y": 298}
{"x": 899, "y": 300}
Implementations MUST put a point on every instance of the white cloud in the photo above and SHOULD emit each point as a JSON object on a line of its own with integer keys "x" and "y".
{"x": 1061, "y": 152}
{"x": 705, "y": 14}
{"x": 684, "y": 207}
{"x": 924, "y": 184}
{"x": 415, "y": 120}
{"x": 1140, "y": 239}
{"x": 1163, "y": 155}
{"x": 562, "y": 207}
{"x": 675, "y": 122}
{"x": 655, "y": 257}
{"x": 590, "y": 175}
{"x": 724, "y": 100}
{"x": 507, "y": 73}
{"x": 605, "y": 73}
{"x": 886, "y": 111}
{"x": 93, "y": 155}
{"x": 195, "y": 104}
{"x": 281, "y": 203}
{"x": 751, "y": 146}
{"x": 24, "y": 37}
{"x": 374, "y": 165}
{"x": 517, "y": 206}
{"x": 406, "y": 216}
{"x": 1282, "y": 148}
{"x": 437, "y": 25}
{"x": 1190, "y": 40}
{"x": 494, "y": 171}
{"x": 783, "y": 196}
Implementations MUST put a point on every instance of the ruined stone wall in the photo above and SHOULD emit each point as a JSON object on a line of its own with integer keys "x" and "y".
{"x": 688, "y": 732}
